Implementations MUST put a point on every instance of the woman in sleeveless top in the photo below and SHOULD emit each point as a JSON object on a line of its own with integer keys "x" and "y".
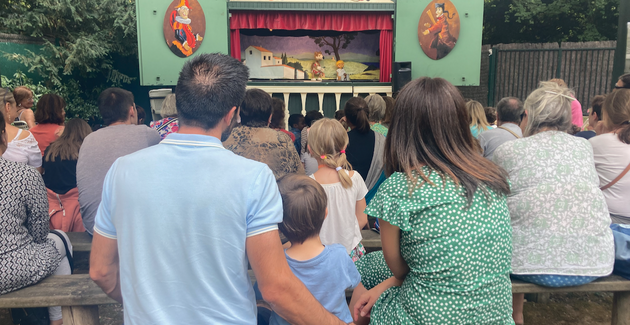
{"x": 22, "y": 146}
{"x": 50, "y": 117}
{"x": 24, "y": 101}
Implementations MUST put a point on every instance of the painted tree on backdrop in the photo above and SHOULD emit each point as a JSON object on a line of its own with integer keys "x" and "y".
{"x": 335, "y": 42}
{"x": 542, "y": 21}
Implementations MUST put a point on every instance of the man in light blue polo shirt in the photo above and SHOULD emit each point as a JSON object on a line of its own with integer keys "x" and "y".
{"x": 509, "y": 116}
{"x": 179, "y": 221}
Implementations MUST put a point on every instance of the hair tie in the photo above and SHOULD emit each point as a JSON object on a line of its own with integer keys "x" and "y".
{"x": 338, "y": 168}
{"x": 342, "y": 151}
{"x": 323, "y": 157}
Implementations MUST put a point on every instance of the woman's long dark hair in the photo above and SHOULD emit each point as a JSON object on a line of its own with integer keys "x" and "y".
{"x": 357, "y": 113}
{"x": 68, "y": 145}
{"x": 430, "y": 126}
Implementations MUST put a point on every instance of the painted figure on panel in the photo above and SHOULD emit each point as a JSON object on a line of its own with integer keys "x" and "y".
{"x": 316, "y": 68}
{"x": 438, "y": 31}
{"x": 341, "y": 72}
{"x": 185, "y": 42}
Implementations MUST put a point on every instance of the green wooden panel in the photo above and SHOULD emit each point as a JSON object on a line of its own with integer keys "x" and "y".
{"x": 8, "y": 67}
{"x": 462, "y": 66}
{"x": 158, "y": 65}
{"x": 309, "y": 6}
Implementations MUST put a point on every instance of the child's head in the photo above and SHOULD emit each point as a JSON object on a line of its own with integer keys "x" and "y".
{"x": 327, "y": 141}
{"x": 304, "y": 204}
{"x": 340, "y": 64}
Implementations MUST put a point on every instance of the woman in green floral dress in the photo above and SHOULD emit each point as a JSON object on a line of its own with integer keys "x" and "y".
{"x": 445, "y": 225}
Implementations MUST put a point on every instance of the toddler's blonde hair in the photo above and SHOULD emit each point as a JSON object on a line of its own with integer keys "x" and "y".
{"x": 327, "y": 139}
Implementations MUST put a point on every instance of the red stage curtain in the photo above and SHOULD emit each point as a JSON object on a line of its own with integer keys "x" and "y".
{"x": 337, "y": 21}
{"x": 386, "y": 45}
{"x": 235, "y": 44}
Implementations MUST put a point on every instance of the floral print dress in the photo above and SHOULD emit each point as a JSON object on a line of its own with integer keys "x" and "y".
{"x": 458, "y": 255}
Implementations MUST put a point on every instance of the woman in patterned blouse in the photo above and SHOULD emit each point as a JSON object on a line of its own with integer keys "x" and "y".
{"x": 28, "y": 253}
{"x": 169, "y": 124}
{"x": 560, "y": 221}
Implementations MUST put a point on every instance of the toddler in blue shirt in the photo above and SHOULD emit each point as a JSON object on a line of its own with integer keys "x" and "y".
{"x": 327, "y": 271}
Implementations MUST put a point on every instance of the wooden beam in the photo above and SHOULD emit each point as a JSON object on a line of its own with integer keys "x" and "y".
{"x": 80, "y": 315}
{"x": 621, "y": 308}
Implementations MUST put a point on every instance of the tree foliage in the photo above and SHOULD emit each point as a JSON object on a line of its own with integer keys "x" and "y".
{"x": 542, "y": 21}
{"x": 79, "y": 37}
{"x": 335, "y": 42}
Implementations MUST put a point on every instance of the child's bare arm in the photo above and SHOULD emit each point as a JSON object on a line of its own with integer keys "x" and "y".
{"x": 361, "y": 216}
{"x": 390, "y": 237}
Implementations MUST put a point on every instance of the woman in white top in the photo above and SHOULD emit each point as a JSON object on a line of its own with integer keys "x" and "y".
{"x": 345, "y": 189}
{"x": 560, "y": 223}
{"x": 612, "y": 155}
{"x": 22, "y": 146}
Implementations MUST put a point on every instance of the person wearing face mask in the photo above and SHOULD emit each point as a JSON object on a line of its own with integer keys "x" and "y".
{"x": 100, "y": 149}
{"x": 24, "y": 102}
{"x": 254, "y": 139}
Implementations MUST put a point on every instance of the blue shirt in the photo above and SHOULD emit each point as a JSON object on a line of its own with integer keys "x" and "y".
{"x": 181, "y": 212}
{"x": 327, "y": 276}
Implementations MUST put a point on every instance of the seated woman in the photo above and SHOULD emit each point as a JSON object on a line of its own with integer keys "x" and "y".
{"x": 24, "y": 102}
{"x": 377, "y": 107}
{"x": 478, "y": 121}
{"x": 430, "y": 271}
{"x": 21, "y": 145}
{"x": 28, "y": 253}
{"x": 559, "y": 216}
{"x": 253, "y": 139}
{"x": 277, "y": 118}
{"x": 365, "y": 149}
{"x": 169, "y": 123}
{"x": 611, "y": 152}
{"x": 50, "y": 117}
{"x": 60, "y": 177}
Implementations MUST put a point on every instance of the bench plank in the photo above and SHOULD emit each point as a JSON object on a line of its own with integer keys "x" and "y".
{"x": 371, "y": 240}
{"x": 81, "y": 241}
{"x": 58, "y": 290}
{"x": 611, "y": 283}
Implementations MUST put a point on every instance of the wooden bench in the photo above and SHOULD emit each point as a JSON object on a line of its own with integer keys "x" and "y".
{"x": 77, "y": 295}
{"x": 81, "y": 241}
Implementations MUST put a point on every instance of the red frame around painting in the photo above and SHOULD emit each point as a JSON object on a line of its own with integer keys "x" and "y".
{"x": 337, "y": 21}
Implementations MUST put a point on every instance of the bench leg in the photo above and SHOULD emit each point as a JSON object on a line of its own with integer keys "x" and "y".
{"x": 621, "y": 308}
{"x": 541, "y": 298}
{"x": 80, "y": 315}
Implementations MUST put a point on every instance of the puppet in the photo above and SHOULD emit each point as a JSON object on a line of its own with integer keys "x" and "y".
{"x": 443, "y": 41}
{"x": 341, "y": 72}
{"x": 185, "y": 40}
{"x": 316, "y": 68}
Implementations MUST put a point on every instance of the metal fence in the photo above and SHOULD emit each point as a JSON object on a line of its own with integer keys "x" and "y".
{"x": 517, "y": 72}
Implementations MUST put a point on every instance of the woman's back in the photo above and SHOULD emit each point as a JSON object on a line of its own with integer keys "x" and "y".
{"x": 559, "y": 216}
{"x": 452, "y": 250}
{"x": 341, "y": 225}
{"x": 611, "y": 158}
{"x": 360, "y": 151}
{"x": 22, "y": 148}
{"x": 45, "y": 134}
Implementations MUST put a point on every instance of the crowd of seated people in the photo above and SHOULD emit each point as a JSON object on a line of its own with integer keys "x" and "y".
{"x": 180, "y": 209}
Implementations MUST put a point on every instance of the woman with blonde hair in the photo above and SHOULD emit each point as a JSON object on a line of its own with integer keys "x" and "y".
{"x": 345, "y": 188}
{"x": 611, "y": 152}
{"x": 478, "y": 121}
{"x": 560, "y": 221}
{"x": 169, "y": 122}
{"x": 60, "y": 177}
{"x": 24, "y": 102}
{"x": 21, "y": 145}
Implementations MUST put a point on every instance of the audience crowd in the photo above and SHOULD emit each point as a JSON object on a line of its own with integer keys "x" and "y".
{"x": 466, "y": 198}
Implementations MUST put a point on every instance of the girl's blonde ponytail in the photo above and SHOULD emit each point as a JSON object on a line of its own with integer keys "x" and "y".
{"x": 328, "y": 141}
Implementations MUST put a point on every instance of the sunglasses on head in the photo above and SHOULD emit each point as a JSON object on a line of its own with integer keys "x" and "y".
{"x": 622, "y": 87}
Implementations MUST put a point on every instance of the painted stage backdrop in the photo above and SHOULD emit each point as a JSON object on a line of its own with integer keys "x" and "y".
{"x": 342, "y": 57}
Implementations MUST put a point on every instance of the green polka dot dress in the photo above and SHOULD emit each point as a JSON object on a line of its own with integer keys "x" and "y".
{"x": 459, "y": 258}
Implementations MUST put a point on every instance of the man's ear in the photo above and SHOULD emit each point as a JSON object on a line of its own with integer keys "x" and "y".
{"x": 230, "y": 115}
{"x": 596, "y": 117}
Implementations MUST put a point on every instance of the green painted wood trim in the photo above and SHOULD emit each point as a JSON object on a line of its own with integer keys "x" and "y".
{"x": 310, "y": 6}
{"x": 317, "y": 84}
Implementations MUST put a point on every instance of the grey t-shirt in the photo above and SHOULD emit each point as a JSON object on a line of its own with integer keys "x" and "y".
{"x": 97, "y": 154}
{"x": 490, "y": 140}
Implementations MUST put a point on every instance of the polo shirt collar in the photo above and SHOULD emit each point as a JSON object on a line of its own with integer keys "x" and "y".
{"x": 194, "y": 140}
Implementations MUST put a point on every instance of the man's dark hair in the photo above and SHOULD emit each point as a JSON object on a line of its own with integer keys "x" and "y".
{"x": 510, "y": 109}
{"x": 304, "y": 207}
{"x": 295, "y": 119}
{"x": 256, "y": 108}
{"x": 625, "y": 79}
{"x": 596, "y": 104}
{"x": 114, "y": 104}
{"x": 311, "y": 117}
{"x": 208, "y": 87}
